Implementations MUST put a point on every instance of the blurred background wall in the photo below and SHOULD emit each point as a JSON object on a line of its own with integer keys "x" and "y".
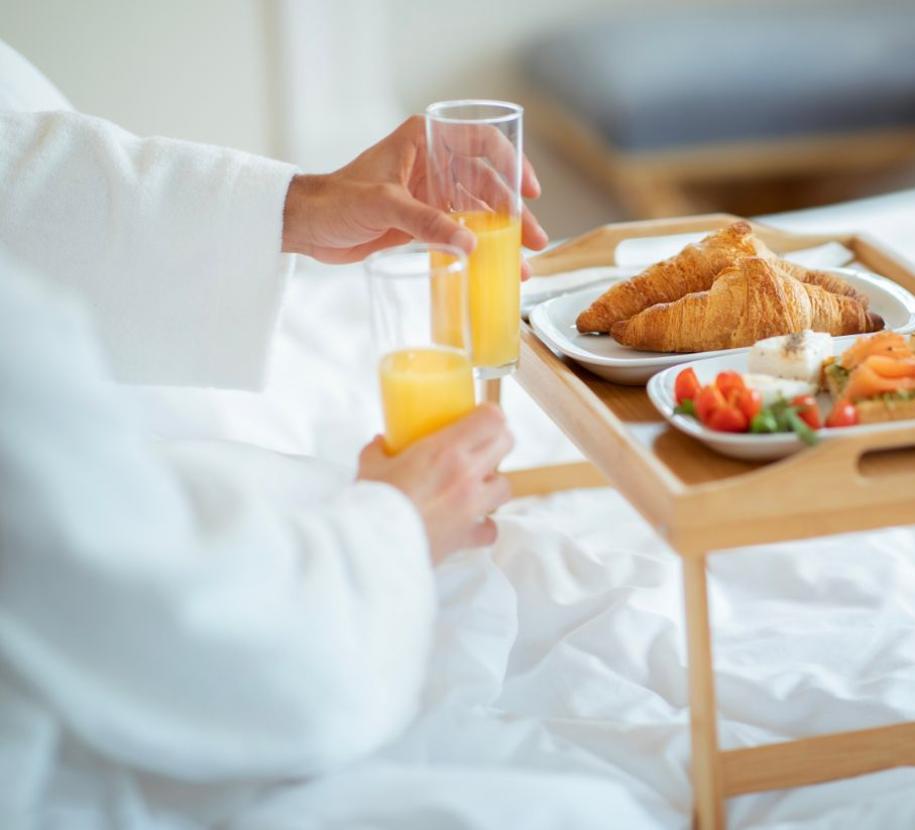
{"x": 198, "y": 70}
{"x": 312, "y": 81}
{"x": 283, "y": 77}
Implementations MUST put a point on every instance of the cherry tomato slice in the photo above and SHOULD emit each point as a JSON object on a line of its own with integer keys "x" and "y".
{"x": 730, "y": 384}
{"x": 708, "y": 401}
{"x": 728, "y": 419}
{"x": 844, "y": 414}
{"x": 808, "y": 411}
{"x": 686, "y": 385}
{"x": 748, "y": 401}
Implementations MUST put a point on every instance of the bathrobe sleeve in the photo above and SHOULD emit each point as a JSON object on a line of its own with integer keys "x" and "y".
{"x": 174, "y": 246}
{"x": 175, "y": 619}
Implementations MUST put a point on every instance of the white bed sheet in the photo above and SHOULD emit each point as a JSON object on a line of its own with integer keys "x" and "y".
{"x": 557, "y": 691}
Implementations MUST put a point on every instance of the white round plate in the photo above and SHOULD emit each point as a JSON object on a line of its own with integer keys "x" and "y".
{"x": 745, "y": 446}
{"x": 554, "y": 323}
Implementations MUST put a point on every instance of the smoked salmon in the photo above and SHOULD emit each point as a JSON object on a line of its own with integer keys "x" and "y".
{"x": 890, "y": 368}
{"x": 885, "y": 343}
{"x": 879, "y": 374}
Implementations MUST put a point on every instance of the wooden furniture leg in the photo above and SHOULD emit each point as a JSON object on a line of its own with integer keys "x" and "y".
{"x": 492, "y": 391}
{"x": 708, "y": 794}
{"x": 539, "y": 481}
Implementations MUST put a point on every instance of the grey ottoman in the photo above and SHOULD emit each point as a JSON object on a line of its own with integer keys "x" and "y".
{"x": 730, "y": 90}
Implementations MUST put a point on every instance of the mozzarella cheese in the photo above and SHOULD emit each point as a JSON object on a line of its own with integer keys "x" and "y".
{"x": 772, "y": 389}
{"x": 792, "y": 356}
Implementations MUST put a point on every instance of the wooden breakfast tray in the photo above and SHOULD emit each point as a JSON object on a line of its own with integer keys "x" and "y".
{"x": 702, "y": 502}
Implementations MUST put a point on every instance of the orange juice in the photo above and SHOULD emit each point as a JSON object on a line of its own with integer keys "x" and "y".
{"x": 423, "y": 390}
{"x": 449, "y": 292}
{"x": 494, "y": 270}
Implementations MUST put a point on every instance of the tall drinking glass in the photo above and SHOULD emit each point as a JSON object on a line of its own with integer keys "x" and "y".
{"x": 474, "y": 172}
{"x": 424, "y": 370}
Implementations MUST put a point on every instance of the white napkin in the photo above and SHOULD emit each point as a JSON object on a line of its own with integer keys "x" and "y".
{"x": 828, "y": 255}
{"x": 538, "y": 289}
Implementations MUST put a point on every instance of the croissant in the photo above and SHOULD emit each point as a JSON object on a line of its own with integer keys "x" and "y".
{"x": 751, "y": 300}
{"x": 831, "y": 282}
{"x": 694, "y": 269}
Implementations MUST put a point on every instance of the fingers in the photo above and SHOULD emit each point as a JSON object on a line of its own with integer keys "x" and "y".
{"x": 487, "y": 455}
{"x": 372, "y": 449}
{"x": 485, "y": 141}
{"x": 471, "y": 448}
{"x": 478, "y": 178}
{"x": 426, "y": 223}
{"x": 482, "y": 533}
{"x": 482, "y": 140}
{"x": 492, "y": 494}
{"x": 372, "y": 459}
{"x": 474, "y": 430}
{"x": 484, "y": 182}
{"x": 413, "y": 127}
{"x": 532, "y": 233}
{"x": 530, "y": 185}
{"x": 485, "y": 187}
{"x": 526, "y": 271}
{"x": 356, "y": 253}
{"x": 462, "y": 199}
{"x": 480, "y": 441}
{"x": 478, "y": 186}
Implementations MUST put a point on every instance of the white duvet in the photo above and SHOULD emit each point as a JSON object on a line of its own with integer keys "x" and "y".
{"x": 557, "y": 692}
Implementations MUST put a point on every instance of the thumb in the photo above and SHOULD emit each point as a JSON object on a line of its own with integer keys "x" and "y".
{"x": 428, "y": 224}
{"x": 372, "y": 450}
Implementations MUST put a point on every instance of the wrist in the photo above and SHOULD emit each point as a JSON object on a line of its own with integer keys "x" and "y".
{"x": 298, "y": 212}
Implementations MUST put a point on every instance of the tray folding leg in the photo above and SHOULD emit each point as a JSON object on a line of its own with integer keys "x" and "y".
{"x": 717, "y": 774}
{"x": 708, "y": 794}
{"x": 492, "y": 391}
{"x": 551, "y": 478}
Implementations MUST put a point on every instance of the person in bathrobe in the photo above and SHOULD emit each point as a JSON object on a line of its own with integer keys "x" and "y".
{"x": 180, "y": 626}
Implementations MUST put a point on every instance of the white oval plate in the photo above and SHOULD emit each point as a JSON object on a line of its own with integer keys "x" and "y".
{"x": 745, "y": 446}
{"x": 554, "y": 323}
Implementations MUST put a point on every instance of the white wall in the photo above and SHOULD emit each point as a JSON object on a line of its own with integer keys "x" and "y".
{"x": 312, "y": 81}
{"x": 208, "y": 69}
{"x": 195, "y": 69}
{"x": 468, "y": 49}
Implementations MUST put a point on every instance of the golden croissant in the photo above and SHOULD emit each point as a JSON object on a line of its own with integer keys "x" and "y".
{"x": 831, "y": 282}
{"x": 694, "y": 269}
{"x": 749, "y": 301}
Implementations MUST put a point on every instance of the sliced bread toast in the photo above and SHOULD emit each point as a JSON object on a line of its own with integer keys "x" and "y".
{"x": 885, "y": 408}
{"x": 893, "y": 406}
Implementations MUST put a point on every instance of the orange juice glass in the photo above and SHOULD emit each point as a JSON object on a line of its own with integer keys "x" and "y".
{"x": 474, "y": 172}
{"x": 424, "y": 370}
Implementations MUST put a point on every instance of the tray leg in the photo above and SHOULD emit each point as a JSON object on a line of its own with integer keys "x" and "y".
{"x": 492, "y": 391}
{"x": 708, "y": 810}
{"x": 539, "y": 481}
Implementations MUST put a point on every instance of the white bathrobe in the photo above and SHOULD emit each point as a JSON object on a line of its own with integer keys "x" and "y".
{"x": 179, "y": 626}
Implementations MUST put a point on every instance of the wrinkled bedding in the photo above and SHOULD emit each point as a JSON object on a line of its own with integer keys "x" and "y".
{"x": 557, "y": 689}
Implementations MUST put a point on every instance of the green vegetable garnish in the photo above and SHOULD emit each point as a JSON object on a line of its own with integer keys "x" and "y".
{"x": 764, "y": 421}
{"x": 685, "y": 407}
{"x": 804, "y": 432}
{"x": 780, "y": 411}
